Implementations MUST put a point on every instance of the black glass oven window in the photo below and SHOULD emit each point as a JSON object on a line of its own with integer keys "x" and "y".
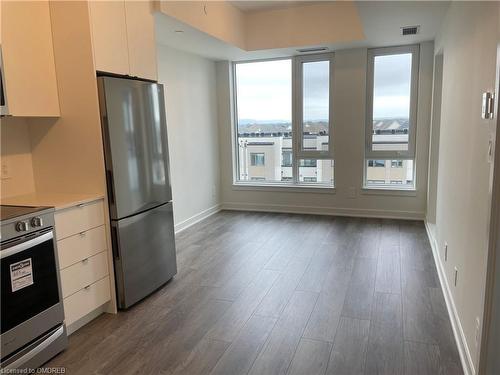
{"x": 30, "y": 300}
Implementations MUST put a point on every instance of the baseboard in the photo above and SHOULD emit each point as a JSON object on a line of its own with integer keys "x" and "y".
{"x": 458, "y": 332}
{"x": 75, "y": 326}
{"x": 196, "y": 218}
{"x": 316, "y": 210}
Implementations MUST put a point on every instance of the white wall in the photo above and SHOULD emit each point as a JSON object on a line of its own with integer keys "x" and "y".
{"x": 468, "y": 43}
{"x": 191, "y": 107}
{"x": 349, "y": 125}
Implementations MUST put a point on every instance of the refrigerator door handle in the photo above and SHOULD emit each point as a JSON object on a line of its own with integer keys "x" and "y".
{"x": 111, "y": 187}
{"x": 114, "y": 243}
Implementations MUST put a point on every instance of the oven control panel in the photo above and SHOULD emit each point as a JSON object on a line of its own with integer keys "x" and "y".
{"x": 22, "y": 226}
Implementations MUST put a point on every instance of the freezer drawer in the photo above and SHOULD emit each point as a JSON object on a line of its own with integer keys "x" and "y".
{"x": 144, "y": 253}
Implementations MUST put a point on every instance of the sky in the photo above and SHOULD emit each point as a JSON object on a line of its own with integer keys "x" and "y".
{"x": 264, "y": 89}
{"x": 391, "y": 94}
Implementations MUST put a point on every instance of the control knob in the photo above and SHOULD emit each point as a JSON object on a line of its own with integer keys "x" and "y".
{"x": 36, "y": 222}
{"x": 22, "y": 226}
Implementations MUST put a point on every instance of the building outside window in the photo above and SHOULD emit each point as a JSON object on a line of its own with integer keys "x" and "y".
{"x": 392, "y": 83}
{"x": 290, "y": 152}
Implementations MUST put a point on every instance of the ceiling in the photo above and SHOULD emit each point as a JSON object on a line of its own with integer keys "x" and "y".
{"x": 381, "y": 22}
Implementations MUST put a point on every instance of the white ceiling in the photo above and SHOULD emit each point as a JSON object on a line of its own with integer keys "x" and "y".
{"x": 381, "y": 20}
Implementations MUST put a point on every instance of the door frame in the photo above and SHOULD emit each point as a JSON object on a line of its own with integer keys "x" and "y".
{"x": 488, "y": 354}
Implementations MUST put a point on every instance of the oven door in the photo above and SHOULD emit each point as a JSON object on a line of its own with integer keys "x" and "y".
{"x": 30, "y": 299}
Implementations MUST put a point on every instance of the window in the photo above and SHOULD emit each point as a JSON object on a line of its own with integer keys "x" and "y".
{"x": 287, "y": 139}
{"x": 308, "y": 163}
{"x": 376, "y": 163}
{"x": 257, "y": 159}
{"x": 383, "y": 172}
{"x": 310, "y": 179}
{"x": 392, "y": 81}
{"x": 286, "y": 160}
{"x": 264, "y": 117}
{"x": 397, "y": 164}
{"x": 312, "y": 170}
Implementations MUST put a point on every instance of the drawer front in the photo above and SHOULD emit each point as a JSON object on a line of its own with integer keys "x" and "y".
{"x": 86, "y": 300}
{"x": 79, "y": 219}
{"x": 76, "y": 248}
{"x": 83, "y": 273}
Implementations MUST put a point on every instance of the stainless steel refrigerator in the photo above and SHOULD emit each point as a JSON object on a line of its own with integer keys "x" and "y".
{"x": 138, "y": 182}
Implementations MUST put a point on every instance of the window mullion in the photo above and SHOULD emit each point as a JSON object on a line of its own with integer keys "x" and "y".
{"x": 295, "y": 122}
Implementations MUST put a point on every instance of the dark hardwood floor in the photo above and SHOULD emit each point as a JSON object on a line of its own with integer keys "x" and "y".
{"x": 265, "y": 294}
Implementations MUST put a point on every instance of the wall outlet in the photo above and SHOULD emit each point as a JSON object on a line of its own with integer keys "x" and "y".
{"x": 477, "y": 334}
{"x": 446, "y": 251}
{"x": 351, "y": 192}
{"x": 456, "y": 276}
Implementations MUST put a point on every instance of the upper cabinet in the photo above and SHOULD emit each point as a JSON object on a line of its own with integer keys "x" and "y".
{"x": 109, "y": 36}
{"x": 124, "y": 38}
{"x": 28, "y": 69}
{"x": 141, "y": 39}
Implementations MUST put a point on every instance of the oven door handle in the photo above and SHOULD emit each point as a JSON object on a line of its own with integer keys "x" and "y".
{"x": 43, "y": 345}
{"x": 26, "y": 245}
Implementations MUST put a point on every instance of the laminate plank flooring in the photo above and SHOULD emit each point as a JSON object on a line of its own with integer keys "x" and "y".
{"x": 266, "y": 294}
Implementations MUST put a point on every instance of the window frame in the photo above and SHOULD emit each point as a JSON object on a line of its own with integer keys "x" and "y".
{"x": 414, "y": 50}
{"x": 295, "y": 122}
{"x": 298, "y": 107}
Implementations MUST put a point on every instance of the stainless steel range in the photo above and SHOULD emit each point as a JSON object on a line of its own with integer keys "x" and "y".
{"x": 32, "y": 316}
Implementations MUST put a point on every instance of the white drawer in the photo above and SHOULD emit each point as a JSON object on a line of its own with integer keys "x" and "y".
{"x": 84, "y": 273}
{"x": 79, "y": 219}
{"x": 76, "y": 248}
{"x": 86, "y": 300}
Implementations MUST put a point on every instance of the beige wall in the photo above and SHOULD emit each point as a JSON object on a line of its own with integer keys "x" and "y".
{"x": 217, "y": 18}
{"x": 68, "y": 152}
{"x": 295, "y": 26}
{"x": 468, "y": 42}
{"x": 318, "y": 24}
{"x": 16, "y": 157}
{"x": 191, "y": 107}
{"x": 349, "y": 119}
{"x": 63, "y": 154}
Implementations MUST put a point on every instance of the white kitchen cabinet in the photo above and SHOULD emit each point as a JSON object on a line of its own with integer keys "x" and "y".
{"x": 84, "y": 273}
{"x": 123, "y": 37}
{"x": 83, "y": 302}
{"x": 79, "y": 219}
{"x": 141, "y": 39}
{"x": 84, "y": 259}
{"x": 28, "y": 66}
{"x": 109, "y": 36}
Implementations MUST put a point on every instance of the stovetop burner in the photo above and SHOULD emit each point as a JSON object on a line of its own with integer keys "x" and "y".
{"x": 10, "y": 212}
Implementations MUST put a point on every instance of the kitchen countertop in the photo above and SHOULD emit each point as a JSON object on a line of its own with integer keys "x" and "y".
{"x": 57, "y": 200}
